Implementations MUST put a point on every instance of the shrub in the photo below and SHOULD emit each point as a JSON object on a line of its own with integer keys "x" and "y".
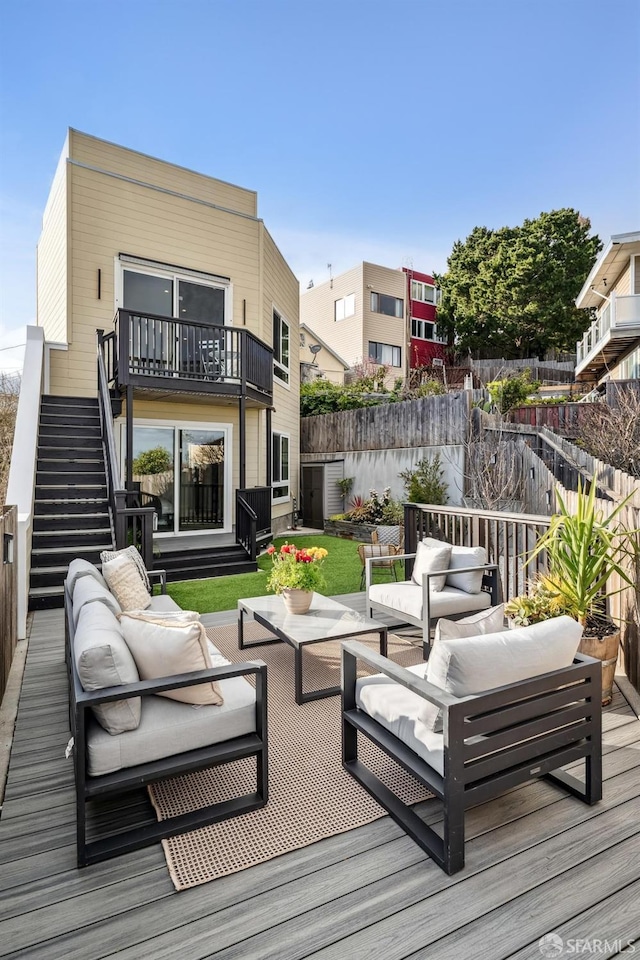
{"x": 512, "y": 391}
{"x": 425, "y": 483}
{"x": 376, "y": 509}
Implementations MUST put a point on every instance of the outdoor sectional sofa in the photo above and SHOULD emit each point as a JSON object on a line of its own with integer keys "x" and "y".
{"x": 113, "y": 754}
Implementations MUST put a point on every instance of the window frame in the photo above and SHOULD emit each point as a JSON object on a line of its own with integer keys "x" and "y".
{"x": 392, "y": 346}
{"x": 175, "y": 275}
{"x": 424, "y": 286}
{"x": 343, "y": 300}
{"x": 280, "y": 482}
{"x": 281, "y": 371}
{"x": 375, "y": 305}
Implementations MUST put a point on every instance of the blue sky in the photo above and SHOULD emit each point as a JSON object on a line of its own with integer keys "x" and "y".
{"x": 379, "y": 130}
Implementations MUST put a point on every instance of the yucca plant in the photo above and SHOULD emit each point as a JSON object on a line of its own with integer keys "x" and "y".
{"x": 583, "y": 550}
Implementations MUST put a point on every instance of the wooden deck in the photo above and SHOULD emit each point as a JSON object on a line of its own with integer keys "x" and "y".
{"x": 537, "y": 862}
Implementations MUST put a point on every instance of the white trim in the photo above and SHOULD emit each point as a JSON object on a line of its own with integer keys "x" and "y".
{"x": 277, "y": 363}
{"x": 175, "y": 425}
{"x": 280, "y": 483}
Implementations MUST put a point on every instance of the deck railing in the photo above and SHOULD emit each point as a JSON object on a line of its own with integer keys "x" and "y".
{"x": 253, "y": 517}
{"x": 185, "y": 354}
{"x": 131, "y": 524}
{"x": 507, "y": 537}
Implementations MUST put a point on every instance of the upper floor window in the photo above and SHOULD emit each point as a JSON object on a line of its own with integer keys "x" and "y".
{"x": 385, "y": 353}
{"x": 280, "y": 479}
{"x": 345, "y": 307}
{"x": 171, "y": 293}
{"x": 281, "y": 341}
{"x": 389, "y": 306}
{"x": 424, "y": 292}
{"x": 423, "y": 329}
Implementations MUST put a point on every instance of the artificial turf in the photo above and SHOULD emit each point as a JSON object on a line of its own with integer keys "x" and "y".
{"x": 342, "y": 570}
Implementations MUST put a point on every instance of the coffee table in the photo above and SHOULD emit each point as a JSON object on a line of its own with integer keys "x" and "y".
{"x": 326, "y": 620}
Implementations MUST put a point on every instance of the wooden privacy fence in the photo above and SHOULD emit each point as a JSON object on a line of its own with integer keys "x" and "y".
{"x": 431, "y": 421}
{"x": 8, "y": 592}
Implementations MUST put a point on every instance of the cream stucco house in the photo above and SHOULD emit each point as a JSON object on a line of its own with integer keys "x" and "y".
{"x": 198, "y": 313}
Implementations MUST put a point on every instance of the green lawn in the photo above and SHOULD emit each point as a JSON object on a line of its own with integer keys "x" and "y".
{"x": 341, "y": 568}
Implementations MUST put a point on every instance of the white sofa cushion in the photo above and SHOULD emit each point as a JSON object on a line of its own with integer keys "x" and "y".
{"x": 164, "y": 648}
{"x": 162, "y": 602}
{"x": 88, "y": 590}
{"x": 472, "y": 665}
{"x": 82, "y": 568}
{"x": 406, "y": 598}
{"x": 103, "y": 660}
{"x": 430, "y": 559}
{"x": 478, "y": 624}
{"x": 168, "y": 727}
{"x": 399, "y": 710}
{"x": 464, "y": 557}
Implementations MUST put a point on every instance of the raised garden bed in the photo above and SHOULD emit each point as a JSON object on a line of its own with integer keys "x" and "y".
{"x": 361, "y": 531}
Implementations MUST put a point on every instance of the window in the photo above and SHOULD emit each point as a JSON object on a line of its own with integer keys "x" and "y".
{"x": 168, "y": 293}
{"x": 422, "y": 329}
{"x": 280, "y": 474}
{"x": 345, "y": 307}
{"x": 385, "y": 353}
{"x": 389, "y": 306}
{"x": 280, "y": 348}
{"x": 424, "y": 292}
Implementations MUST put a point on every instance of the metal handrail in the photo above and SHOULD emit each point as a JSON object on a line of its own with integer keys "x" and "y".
{"x": 246, "y": 526}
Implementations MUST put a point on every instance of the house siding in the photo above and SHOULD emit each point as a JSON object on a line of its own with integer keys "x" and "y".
{"x": 622, "y": 286}
{"x": 378, "y": 327}
{"x": 52, "y": 260}
{"x": 317, "y": 310}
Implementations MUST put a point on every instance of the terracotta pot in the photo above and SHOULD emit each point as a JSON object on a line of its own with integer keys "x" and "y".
{"x": 605, "y": 649}
{"x": 296, "y": 601}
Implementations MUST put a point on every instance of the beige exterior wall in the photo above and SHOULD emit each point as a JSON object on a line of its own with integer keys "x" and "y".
{"x": 52, "y": 260}
{"x": 622, "y": 285}
{"x": 317, "y": 310}
{"x": 331, "y": 367}
{"x": 106, "y": 201}
{"x": 350, "y": 338}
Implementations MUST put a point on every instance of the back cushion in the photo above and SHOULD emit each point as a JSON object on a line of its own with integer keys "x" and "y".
{"x": 82, "y": 568}
{"x": 430, "y": 559}
{"x": 87, "y": 590}
{"x": 467, "y": 557}
{"x": 103, "y": 660}
{"x": 473, "y": 665}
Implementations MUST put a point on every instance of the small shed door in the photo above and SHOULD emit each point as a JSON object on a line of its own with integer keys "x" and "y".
{"x": 313, "y": 496}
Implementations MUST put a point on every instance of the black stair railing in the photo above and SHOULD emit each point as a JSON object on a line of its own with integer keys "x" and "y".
{"x": 134, "y": 524}
{"x": 259, "y": 499}
{"x": 246, "y": 526}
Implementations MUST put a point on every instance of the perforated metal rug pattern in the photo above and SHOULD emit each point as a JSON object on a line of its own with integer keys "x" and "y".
{"x": 311, "y": 797}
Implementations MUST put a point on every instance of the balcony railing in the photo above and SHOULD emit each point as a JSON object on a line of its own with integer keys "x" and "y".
{"x": 167, "y": 353}
{"x": 619, "y": 315}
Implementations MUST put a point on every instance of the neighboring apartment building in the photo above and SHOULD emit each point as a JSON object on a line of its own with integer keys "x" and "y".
{"x": 610, "y": 348}
{"x": 377, "y": 313}
{"x": 200, "y": 313}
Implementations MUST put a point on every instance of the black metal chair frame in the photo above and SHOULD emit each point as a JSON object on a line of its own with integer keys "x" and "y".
{"x": 132, "y": 778}
{"x": 492, "y": 741}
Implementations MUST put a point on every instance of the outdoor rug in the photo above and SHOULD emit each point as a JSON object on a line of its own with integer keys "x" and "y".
{"x": 310, "y": 795}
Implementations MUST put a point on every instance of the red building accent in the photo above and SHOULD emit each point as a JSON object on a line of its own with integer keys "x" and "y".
{"x": 422, "y": 351}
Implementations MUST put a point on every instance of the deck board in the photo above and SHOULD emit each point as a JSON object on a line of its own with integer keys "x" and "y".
{"x": 537, "y": 861}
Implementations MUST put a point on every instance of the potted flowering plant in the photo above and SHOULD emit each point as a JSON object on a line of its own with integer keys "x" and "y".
{"x": 295, "y": 574}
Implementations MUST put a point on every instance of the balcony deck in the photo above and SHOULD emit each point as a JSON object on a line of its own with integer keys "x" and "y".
{"x": 537, "y": 861}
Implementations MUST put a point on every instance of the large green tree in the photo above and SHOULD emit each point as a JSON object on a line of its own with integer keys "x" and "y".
{"x": 510, "y": 292}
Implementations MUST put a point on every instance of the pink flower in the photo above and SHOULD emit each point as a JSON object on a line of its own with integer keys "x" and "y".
{"x": 271, "y": 549}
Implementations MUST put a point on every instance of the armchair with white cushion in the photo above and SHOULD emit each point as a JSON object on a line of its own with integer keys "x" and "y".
{"x": 446, "y": 581}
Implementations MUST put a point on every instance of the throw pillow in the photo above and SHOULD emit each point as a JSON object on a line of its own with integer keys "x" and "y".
{"x": 164, "y": 648}
{"x": 472, "y": 665}
{"x": 125, "y": 583}
{"x": 430, "y": 559}
{"x": 104, "y": 660}
{"x": 490, "y": 620}
{"x": 467, "y": 557}
{"x": 133, "y": 555}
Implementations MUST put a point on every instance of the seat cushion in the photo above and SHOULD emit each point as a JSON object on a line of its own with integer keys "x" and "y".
{"x": 406, "y": 598}
{"x": 490, "y": 620}
{"x": 88, "y": 590}
{"x": 169, "y": 647}
{"x": 472, "y": 665}
{"x": 163, "y": 602}
{"x": 82, "y": 568}
{"x": 103, "y": 660}
{"x": 399, "y": 710}
{"x": 429, "y": 559}
{"x": 168, "y": 727}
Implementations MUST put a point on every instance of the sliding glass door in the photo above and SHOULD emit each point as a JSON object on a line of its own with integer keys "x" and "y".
{"x": 202, "y": 485}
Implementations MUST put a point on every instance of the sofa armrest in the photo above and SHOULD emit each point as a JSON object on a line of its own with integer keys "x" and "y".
{"x": 353, "y": 651}
{"x": 161, "y": 684}
{"x": 158, "y": 576}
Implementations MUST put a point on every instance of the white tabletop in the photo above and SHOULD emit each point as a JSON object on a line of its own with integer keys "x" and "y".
{"x": 325, "y": 619}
